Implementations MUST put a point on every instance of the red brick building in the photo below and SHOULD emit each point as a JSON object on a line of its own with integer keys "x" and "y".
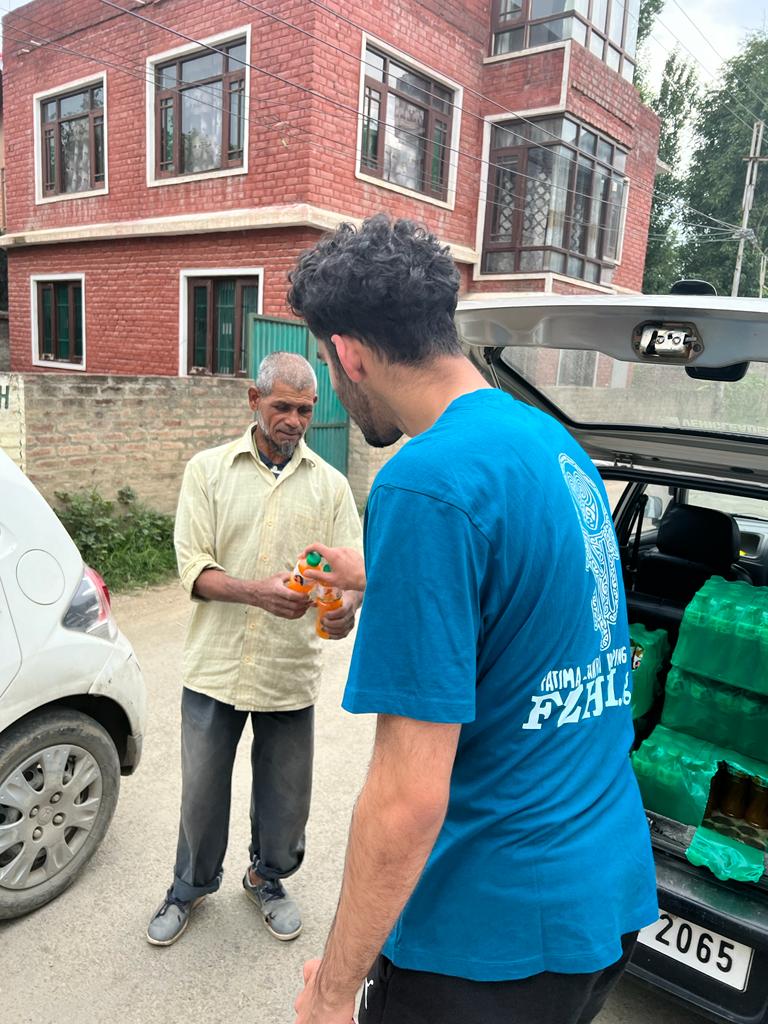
{"x": 159, "y": 190}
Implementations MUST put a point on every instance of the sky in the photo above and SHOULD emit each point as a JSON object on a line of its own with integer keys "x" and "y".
{"x": 723, "y": 22}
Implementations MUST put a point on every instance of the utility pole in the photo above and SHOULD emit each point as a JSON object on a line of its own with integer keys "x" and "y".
{"x": 753, "y": 162}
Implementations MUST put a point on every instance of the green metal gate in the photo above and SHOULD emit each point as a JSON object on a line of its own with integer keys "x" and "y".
{"x": 329, "y": 433}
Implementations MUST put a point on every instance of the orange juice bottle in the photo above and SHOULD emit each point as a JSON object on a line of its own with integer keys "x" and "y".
{"x": 327, "y": 600}
{"x": 297, "y": 581}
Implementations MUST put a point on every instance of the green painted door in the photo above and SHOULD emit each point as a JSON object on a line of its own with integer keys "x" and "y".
{"x": 329, "y": 433}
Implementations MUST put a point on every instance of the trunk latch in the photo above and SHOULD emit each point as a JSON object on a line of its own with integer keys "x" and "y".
{"x": 667, "y": 342}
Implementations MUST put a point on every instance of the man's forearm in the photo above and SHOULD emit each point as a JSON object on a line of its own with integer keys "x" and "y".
{"x": 389, "y": 844}
{"x": 216, "y": 585}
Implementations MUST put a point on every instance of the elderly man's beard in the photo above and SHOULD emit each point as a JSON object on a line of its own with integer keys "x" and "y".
{"x": 286, "y": 448}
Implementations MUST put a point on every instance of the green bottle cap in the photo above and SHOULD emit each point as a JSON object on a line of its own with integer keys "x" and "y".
{"x": 314, "y": 558}
{"x": 327, "y": 567}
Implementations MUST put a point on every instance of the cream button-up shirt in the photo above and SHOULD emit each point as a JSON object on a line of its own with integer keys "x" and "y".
{"x": 235, "y": 515}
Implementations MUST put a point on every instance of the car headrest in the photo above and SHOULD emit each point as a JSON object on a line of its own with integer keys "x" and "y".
{"x": 699, "y": 535}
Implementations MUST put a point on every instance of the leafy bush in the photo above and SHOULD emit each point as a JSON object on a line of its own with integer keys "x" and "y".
{"x": 129, "y": 544}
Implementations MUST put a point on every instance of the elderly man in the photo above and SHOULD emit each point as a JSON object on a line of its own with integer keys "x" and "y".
{"x": 246, "y": 510}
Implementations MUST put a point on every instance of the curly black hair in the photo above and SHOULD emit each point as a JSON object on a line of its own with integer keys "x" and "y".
{"x": 390, "y": 284}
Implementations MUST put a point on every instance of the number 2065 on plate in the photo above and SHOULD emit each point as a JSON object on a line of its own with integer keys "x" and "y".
{"x": 709, "y": 952}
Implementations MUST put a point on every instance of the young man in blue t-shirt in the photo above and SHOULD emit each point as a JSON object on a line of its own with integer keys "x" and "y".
{"x": 499, "y": 864}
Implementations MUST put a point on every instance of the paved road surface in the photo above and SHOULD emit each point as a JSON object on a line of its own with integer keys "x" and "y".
{"x": 83, "y": 959}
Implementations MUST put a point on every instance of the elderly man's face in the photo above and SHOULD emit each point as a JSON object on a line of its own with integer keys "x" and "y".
{"x": 284, "y": 415}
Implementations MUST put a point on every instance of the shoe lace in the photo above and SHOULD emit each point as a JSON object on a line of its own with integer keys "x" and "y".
{"x": 173, "y": 901}
{"x": 272, "y": 890}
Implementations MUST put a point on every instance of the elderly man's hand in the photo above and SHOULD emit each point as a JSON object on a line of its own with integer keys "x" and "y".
{"x": 339, "y": 622}
{"x": 274, "y": 597}
{"x": 310, "y": 1007}
{"x": 347, "y": 567}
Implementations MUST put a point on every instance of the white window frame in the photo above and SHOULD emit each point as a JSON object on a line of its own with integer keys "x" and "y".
{"x": 219, "y": 40}
{"x": 48, "y": 364}
{"x": 453, "y": 154}
{"x": 37, "y": 101}
{"x": 184, "y": 278}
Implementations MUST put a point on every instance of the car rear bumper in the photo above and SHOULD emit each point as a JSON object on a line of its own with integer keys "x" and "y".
{"x": 737, "y": 911}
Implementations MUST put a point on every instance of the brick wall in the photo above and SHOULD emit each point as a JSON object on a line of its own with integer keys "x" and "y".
{"x": 12, "y": 429}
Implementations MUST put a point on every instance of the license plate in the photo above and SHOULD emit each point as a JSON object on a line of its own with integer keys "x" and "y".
{"x": 703, "y": 950}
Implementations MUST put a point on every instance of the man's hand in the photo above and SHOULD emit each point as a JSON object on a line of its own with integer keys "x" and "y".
{"x": 348, "y": 568}
{"x": 309, "y": 1005}
{"x": 339, "y": 622}
{"x": 274, "y": 597}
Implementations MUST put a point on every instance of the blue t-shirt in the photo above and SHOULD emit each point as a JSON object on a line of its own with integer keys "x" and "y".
{"x": 495, "y": 600}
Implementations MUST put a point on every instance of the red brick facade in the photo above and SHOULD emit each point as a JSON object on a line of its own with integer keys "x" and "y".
{"x": 302, "y": 155}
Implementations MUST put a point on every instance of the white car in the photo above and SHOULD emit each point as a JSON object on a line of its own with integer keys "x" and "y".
{"x": 72, "y": 702}
{"x": 668, "y": 394}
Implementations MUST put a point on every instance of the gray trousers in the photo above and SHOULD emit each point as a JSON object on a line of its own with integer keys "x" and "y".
{"x": 281, "y": 765}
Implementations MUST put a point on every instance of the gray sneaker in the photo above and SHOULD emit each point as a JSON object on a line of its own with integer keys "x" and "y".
{"x": 170, "y": 920}
{"x": 279, "y": 913}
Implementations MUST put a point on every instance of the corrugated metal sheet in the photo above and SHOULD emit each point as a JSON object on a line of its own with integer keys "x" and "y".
{"x": 329, "y": 433}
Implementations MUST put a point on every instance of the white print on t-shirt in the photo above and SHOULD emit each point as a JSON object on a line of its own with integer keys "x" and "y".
{"x": 571, "y": 695}
{"x": 368, "y": 984}
{"x": 600, "y": 546}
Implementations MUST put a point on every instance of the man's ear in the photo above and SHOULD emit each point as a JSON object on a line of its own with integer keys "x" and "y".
{"x": 253, "y": 398}
{"x": 352, "y": 356}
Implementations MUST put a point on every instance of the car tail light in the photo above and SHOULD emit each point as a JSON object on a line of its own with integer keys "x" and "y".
{"x": 90, "y": 609}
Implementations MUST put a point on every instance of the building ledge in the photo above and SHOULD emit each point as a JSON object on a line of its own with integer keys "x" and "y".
{"x": 261, "y": 218}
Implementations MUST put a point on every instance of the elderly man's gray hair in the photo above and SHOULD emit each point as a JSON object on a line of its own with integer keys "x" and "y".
{"x": 288, "y": 368}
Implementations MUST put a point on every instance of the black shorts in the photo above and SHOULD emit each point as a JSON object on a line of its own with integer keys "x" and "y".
{"x": 394, "y": 995}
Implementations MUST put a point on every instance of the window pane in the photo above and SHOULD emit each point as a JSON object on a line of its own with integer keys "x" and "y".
{"x": 77, "y": 332}
{"x": 569, "y": 130}
{"x": 599, "y": 195}
{"x": 97, "y": 98}
{"x": 250, "y": 294}
{"x": 531, "y": 261}
{"x": 510, "y": 10}
{"x": 628, "y": 70}
{"x": 49, "y": 157}
{"x": 508, "y": 42}
{"x": 76, "y": 155}
{"x": 49, "y": 111}
{"x": 77, "y": 104}
{"x": 237, "y": 56}
{"x": 619, "y": 159}
{"x": 369, "y": 156}
{"x": 579, "y": 32}
{"x": 374, "y": 65}
{"x": 604, "y": 151}
{"x": 616, "y": 22}
{"x": 510, "y": 136}
{"x": 576, "y": 368}
{"x": 199, "y": 325}
{"x": 630, "y": 39}
{"x": 500, "y": 263}
{"x": 409, "y": 82}
{"x": 225, "y": 327}
{"x": 592, "y": 272}
{"x": 166, "y": 77}
{"x": 580, "y": 206}
{"x": 546, "y": 129}
{"x": 588, "y": 141}
{"x": 599, "y": 13}
{"x": 167, "y": 123}
{"x": 206, "y": 66}
{"x": 504, "y": 195}
{"x": 551, "y": 31}
{"x": 596, "y": 45}
{"x": 442, "y": 98}
{"x": 612, "y": 58}
{"x": 62, "y": 319}
{"x": 98, "y": 156}
{"x": 546, "y": 8}
{"x": 201, "y": 116}
{"x": 404, "y": 143}
{"x": 538, "y": 196}
{"x": 561, "y": 173}
{"x": 236, "y": 120}
{"x": 439, "y": 157}
{"x": 555, "y": 262}
{"x": 614, "y": 208}
{"x": 46, "y": 331}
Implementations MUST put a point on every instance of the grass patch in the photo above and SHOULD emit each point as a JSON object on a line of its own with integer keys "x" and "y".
{"x": 129, "y": 544}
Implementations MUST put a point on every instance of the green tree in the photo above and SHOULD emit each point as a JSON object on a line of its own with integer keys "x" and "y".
{"x": 674, "y": 104}
{"x": 715, "y": 182}
{"x": 649, "y": 11}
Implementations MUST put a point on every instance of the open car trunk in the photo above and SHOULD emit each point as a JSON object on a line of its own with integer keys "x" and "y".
{"x": 670, "y": 394}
